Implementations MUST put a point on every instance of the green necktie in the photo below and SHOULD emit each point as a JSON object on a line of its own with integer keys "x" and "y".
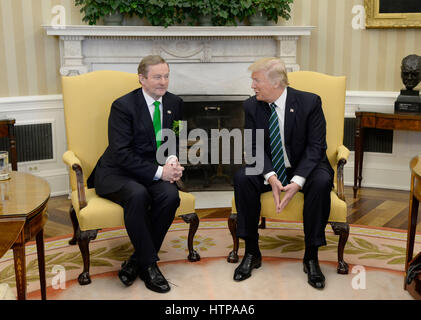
{"x": 157, "y": 123}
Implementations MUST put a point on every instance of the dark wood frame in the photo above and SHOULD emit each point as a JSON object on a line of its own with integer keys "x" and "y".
{"x": 82, "y": 238}
{"x": 339, "y": 228}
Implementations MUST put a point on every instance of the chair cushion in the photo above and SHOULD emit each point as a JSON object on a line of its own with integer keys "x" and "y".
{"x": 294, "y": 210}
{"x": 102, "y": 213}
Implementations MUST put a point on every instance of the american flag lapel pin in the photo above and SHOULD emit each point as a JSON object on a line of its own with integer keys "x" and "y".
{"x": 169, "y": 111}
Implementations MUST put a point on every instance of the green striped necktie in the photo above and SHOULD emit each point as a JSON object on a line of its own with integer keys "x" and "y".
{"x": 278, "y": 161}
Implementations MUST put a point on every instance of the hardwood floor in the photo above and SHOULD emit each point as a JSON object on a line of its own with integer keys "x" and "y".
{"x": 372, "y": 207}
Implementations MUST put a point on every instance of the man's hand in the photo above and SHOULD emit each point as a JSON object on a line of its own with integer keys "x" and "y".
{"x": 277, "y": 188}
{"x": 290, "y": 190}
{"x": 172, "y": 171}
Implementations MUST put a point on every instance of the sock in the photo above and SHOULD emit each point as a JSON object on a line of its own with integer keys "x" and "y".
{"x": 311, "y": 253}
{"x": 252, "y": 246}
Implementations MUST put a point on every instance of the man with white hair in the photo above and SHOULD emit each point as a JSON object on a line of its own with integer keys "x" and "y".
{"x": 294, "y": 160}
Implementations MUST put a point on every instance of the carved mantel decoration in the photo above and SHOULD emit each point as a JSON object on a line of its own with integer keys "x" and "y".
{"x": 189, "y": 50}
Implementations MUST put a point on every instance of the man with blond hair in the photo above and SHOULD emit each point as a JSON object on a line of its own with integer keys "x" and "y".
{"x": 295, "y": 160}
{"x": 128, "y": 172}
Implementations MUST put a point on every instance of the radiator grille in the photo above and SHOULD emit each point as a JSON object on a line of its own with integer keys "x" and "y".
{"x": 375, "y": 140}
{"x": 33, "y": 142}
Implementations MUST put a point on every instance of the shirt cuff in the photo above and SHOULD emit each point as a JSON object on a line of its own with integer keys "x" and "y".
{"x": 158, "y": 174}
{"x": 268, "y": 175}
{"x": 299, "y": 180}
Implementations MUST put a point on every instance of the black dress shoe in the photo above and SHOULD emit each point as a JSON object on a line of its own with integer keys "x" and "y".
{"x": 249, "y": 262}
{"x": 154, "y": 280}
{"x": 129, "y": 272}
{"x": 315, "y": 276}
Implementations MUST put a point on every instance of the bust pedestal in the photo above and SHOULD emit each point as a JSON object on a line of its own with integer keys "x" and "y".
{"x": 408, "y": 101}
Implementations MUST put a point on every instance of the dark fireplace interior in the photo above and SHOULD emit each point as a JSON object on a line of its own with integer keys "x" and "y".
{"x": 212, "y": 112}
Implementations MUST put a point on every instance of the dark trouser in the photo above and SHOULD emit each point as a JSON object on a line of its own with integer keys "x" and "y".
{"x": 247, "y": 191}
{"x": 148, "y": 214}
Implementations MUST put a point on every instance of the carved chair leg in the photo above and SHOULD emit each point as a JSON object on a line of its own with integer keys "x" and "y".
{"x": 341, "y": 229}
{"x": 193, "y": 220}
{"x": 75, "y": 224}
{"x": 232, "y": 225}
{"x": 83, "y": 239}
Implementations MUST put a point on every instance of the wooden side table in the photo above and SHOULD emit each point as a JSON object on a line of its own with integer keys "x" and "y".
{"x": 414, "y": 288}
{"x": 388, "y": 121}
{"x": 23, "y": 214}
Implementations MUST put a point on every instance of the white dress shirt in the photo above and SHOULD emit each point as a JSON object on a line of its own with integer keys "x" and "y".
{"x": 280, "y": 110}
{"x": 149, "y": 102}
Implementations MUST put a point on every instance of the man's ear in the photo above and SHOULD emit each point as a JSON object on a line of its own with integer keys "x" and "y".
{"x": 141, "y": 78}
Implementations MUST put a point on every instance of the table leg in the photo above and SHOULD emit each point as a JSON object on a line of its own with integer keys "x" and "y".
{"x": 412, "y": 225}
{"x": 20, "y": 266}
{"x": 357, "y": 154}
{"x": 361, "y": 160}
{"x": 41, "y": 263}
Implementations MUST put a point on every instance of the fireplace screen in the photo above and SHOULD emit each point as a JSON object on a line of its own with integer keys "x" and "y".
{"x": 219, "y": 120}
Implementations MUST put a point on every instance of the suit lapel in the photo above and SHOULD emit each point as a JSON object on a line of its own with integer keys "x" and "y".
{"x": 167, "y": 112}
{"x": 145, "y": 117}
{"x": 290, "y": 112}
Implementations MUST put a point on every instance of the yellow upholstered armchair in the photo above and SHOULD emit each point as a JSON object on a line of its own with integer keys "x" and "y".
{"x": 87, "y": 102}
{"x": 332, "y": 92}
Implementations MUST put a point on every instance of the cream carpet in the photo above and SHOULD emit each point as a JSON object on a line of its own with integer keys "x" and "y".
{"x": 375, "y": 257}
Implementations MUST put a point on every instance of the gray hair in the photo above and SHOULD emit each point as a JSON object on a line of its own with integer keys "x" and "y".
{"x": 274, "y": 68}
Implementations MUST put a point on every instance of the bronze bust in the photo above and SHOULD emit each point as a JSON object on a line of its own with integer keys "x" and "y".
{"x": 409, "y": 100}
{"x": 411, "y": 71}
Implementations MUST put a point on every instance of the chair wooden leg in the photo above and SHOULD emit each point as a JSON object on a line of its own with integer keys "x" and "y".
{"x": 75, "y": 224}
{"x": 232, "y": 225}
{"x": 83, "y": 239}
{"x": 341, "y": 229}
{"x": 193, "y": 220}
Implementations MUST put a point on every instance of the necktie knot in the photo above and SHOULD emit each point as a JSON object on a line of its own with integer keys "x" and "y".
{"x": 156, "y": 104}
{"x": 273, "y": 106}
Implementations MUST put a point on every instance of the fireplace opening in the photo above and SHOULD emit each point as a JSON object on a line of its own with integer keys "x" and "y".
{"x": 211, "y": 114}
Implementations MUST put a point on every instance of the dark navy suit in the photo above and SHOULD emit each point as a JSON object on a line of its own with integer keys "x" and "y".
{"x": 125, "y": 172}
{"x": 305, "y": 143}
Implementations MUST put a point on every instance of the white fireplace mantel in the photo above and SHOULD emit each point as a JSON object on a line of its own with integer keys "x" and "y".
{"x": 221, "y": 53}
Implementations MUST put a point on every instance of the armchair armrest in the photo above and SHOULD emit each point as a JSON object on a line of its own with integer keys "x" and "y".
{"x": 342, "y": 153}
{"x": 341, "y": 158}
{"x": 72, "y": 161}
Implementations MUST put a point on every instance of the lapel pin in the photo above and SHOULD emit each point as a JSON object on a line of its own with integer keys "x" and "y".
{"x": 291, "y": 110}
{"x": 169, "y": 111}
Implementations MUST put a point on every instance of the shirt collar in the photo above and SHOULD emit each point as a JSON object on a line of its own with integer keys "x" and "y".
{"x": 149, "y": 100}
{"x": 280, "y": 102}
